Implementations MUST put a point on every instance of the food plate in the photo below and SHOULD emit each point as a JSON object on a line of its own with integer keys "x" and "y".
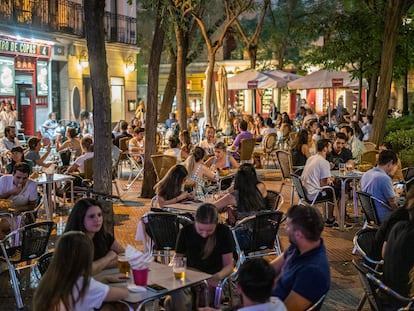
{"x": 136, "y": 288}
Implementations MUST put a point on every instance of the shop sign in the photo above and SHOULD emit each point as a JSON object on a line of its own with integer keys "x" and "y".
{"x": 338, "y": 82}
{"x": 21, "y": 47}
{"x": 42, "y": 78}
{"x": 252, "y": 84}
{"x": 7, "y": 76}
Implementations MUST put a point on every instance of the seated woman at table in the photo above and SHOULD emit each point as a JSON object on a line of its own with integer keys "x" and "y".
{"x": 209, "y": 248}
{"x": 175, "y": 149}
{"x": 33, "y": 154}
{"x": 17, "y": 156}
{"x": 169, "y": 190}
{"x": 72, "y": 142}
{"x": 253, "y": 198}
{"x": 68, "y": 283}
{"x": 186, "y": 144}
{"x": 300, "y": 149}
{"x": 222, "y": 159}
{"x": 86, "y": 216}
{"x": 87, "y": 152}
{"x": 137, "y": 142}
{"x": 198, "y": 171}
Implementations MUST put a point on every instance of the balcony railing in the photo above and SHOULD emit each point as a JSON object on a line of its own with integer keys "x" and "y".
{"x": 64, "y": 16}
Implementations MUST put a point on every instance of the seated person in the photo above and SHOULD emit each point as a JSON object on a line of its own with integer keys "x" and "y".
{"x": 209, "y": 248}
{"x": 300, "y": 149}
{"x": 72, "y": 142}
{"x": 248, "y": 195}
{"x": 339, "y": 153}
{"x": 198, "y": 172}
{"x": 68, "y": 283}
{"x": 303, "y": 268}
{"x": 87, "y": 153}
{"x": 169, "y": 190}
{"x": 396, "y": 173}
{"x": 136, "y": 143}
{"x": 242, "y": 135}
{"x": 174, "y": 149}
{"x": 222, "y": 159}
{"x": 254, "y": 284}
{"x": 9, "y": 140}
{"x": 208, "y": 143}
{"x": 33, "y": 154}
{"x": 186, "y": 144}
{"x": 17, "y": 156}
{"x": 378, "y": 183}
{"x": 86, "y": 216}
{"x": 49, "y": 127}
{"x": 20, "y": 190}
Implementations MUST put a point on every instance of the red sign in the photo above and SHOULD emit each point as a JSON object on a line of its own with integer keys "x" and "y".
{"x": 338, "y": 82}
{"x": 252, "y": 84}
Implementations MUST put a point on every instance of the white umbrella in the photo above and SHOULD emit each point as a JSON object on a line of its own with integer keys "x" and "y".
{"x": 253, "y": 79}
{"x": 222, "y": 98}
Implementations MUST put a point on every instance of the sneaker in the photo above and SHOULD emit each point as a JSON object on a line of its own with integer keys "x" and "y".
{"x": 346, "y": 226}
{"x": 330, "y": 222}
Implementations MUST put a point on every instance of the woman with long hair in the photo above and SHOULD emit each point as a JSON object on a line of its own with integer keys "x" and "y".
{"x": 186, "y": 144}
{"x": 222, "y": 159}
{"x": 208, "y": 247}
{"x": 248, "y": 195}
{"x": 169, "y": 190}
{"x": 300, "y": 149}
{"x": 198, "y": 171}
{"x": 71, "y": 142}
{"x": 68, "y": 283}
{"x": 86, "y": 216}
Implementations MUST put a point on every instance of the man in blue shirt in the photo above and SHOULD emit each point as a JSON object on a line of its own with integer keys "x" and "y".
{"x": 378, "y": 183}
{"x": 303, "y": 268}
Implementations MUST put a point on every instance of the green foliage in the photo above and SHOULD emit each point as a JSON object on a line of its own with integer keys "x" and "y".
{"x": 403, "y": 123}
{"x": 400, "y": 133}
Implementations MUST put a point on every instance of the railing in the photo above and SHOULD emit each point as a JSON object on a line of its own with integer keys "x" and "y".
{"x": 64, "y": 16}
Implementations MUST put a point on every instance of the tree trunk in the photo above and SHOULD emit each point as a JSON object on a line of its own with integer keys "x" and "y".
{"x": 252, "y": 51}
{"x": 372, "y": 95}
{"x": 94, "y": 11}
{"x": 392, "y": 21}
{"x": 181, "y": 97}
{"x": 209, "y": 86}
{"x": 170, "y": 89}
{"x": 148, "y": 183}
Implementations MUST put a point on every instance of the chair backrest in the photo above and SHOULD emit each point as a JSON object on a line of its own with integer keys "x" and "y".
{"x": 65, "y": 157}
{"x": 317, "y": 305}
{"x": 408, "y": 175}
{"x": 368, "y": 207}
{"x": 162, "y": 163}
{"x": 369, "y": 157}
{"x": 246, "y": 149}
{"x": 297, "y": 183}
{"x": 88, "y": 168}
{"x": 43, "y": 262}
{"x": 269, "y": 142}
{"x": 123, "y": 144}
{"x": 369, "y": 145}
{"x": 367, "y": 246}
{"x": 362, "y": 273}
{"x": 385, "y": 297}
{"x": 285, "y": 163}
{"x": 163, "y": 230}
{"x": 273, "y": 200}
{"x": 263, "y": 227}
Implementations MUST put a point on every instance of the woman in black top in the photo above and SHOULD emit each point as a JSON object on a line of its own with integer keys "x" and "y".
{"x": 300, "y": 149}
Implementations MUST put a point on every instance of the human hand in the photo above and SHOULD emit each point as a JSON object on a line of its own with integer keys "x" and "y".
{"x": 116, "y": 278}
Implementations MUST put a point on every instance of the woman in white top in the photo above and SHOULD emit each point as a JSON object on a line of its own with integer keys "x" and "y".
{"x": 8, "y": 116}
{"x": 68, "y": 283}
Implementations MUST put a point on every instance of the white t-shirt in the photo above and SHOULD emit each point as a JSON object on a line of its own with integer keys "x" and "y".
{"x": 316, "y": 168}
{"x": 94, "y": 296}
{"x": 275, "y": 305}
{"x": 28, "y": 193}
{"x": 81, "y": 161}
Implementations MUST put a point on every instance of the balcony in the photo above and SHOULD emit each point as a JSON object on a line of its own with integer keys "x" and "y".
{"x": 64, "y": 17}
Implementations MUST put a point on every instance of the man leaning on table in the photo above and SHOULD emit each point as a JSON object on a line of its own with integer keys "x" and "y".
{"x": 378, "y": 183}
{"x": 254, "y": 283}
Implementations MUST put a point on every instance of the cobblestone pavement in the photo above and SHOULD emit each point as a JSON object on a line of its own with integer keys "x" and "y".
{"x": 345, "y": 289}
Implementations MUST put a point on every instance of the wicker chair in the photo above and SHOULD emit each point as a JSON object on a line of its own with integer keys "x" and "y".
{"x": 246, "y": 149}
{"x": 162, "y": 164}
{"x": 369, "y": 157}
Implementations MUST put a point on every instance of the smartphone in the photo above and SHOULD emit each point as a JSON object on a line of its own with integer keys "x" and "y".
{"x": 189, "y": 189}
{"x": 157, "y": 288}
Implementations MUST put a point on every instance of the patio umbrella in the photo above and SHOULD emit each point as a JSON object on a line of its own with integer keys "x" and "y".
{"x": 283, "y": 74}
{"x": 222, "y": 98}
{"x": 253, "y": 79}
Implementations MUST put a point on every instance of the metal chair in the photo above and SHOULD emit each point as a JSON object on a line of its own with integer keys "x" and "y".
{"x": 163, "y": 230}
{"x": 368, "y": 208}
{"x": 42, "y": 264}
{"x": 136, "y": 162}
{"x": 285, "y": 164}
{"x": 385, "y": 297}
{"x": 362, "y": 270}
{"x": 366, "y": 246}
{"x": 273, "y": 200}
{"x": 123, "y": 158}
{"x": 303, "y": 198}
{"x": 262, "y": 230}
{"x": 408, "y": 175}
{"x": 246, "y": 149}
{"x": 24, "y": 245}
{"x": 269, "y": 144}
{"x": 317, "y": 305}
{"x": 162, "y": 164}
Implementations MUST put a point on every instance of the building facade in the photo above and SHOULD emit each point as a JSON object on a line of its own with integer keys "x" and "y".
{"x": 44, "y": 61}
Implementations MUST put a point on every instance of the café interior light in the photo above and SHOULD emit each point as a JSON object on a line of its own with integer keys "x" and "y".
{"x": 130, "y": 64}
{"x": 83, "y": 59}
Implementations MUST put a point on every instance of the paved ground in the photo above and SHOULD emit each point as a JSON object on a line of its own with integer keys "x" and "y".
{"x": 345, "y": 289}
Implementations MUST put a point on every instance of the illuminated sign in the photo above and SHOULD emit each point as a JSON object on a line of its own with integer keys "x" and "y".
{"x": 41, "y": 78}
{"x": 26, "y": 48}
{"x": 7, "y": 76}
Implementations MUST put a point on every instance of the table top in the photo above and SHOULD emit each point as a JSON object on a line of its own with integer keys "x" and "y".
{"x": 162, "y": 275}
{"x": 354, "y": 174}
{"x": 186, "y": 206}
{"x": 56, "y": 178}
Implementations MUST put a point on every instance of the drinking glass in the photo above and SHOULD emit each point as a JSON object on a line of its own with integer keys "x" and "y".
{"x": 349, "y": 167}
{"x": 179, "y": 266}
{"x": 342, "y": 168}
{"x": 123, "y": 264}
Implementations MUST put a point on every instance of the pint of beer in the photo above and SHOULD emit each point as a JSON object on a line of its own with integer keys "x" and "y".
{"x": 179, "y": 267}
{"x": 123, "y": 264}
